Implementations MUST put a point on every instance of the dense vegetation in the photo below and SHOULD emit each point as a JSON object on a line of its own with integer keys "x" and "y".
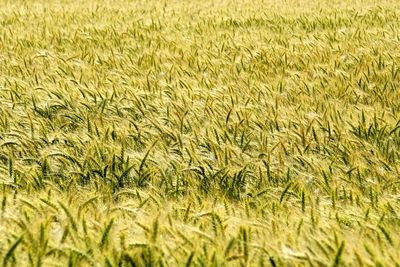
{"x": 198, "y": 133}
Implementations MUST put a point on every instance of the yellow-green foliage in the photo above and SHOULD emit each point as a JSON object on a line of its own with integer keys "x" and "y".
{"x": 199, "y": 133}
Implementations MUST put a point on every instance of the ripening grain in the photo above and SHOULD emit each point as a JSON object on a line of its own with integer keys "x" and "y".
{"x": 199, "y": 133}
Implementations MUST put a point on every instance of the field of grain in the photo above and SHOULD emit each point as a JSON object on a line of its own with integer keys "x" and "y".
{"x": 199, "y": 133}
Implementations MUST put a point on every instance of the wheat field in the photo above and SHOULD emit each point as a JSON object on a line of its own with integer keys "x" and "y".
{"x": 199, "y": 133}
